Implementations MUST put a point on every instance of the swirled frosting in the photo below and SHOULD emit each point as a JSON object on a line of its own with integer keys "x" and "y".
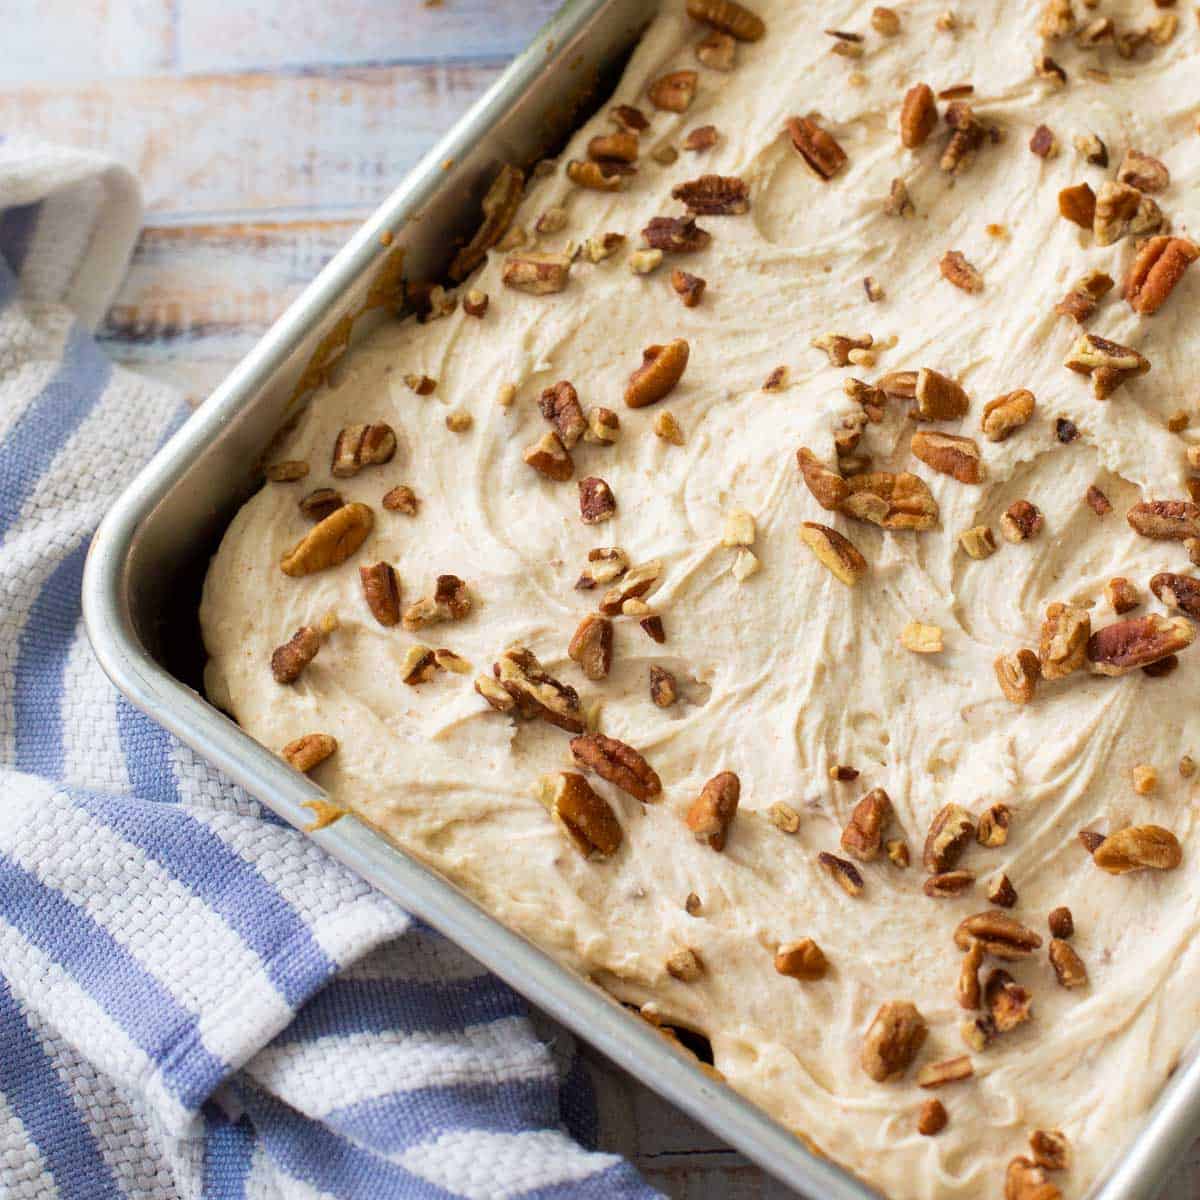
{"x": 789, "y": 672}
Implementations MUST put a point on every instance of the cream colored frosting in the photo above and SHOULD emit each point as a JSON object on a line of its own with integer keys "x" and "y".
{"x": 790, "y": 672}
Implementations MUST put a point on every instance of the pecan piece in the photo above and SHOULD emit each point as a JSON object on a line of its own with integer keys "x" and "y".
{"x": 329, "y": 542}
{"x": 620, "y": 764}
{"x": 968, "y": 990}
{"x": 450, "y": 602}
{"x": 675, "y": 235}
{"x": 1007, "y": 1003}
{"x": 957, "y": 270}
{"x": 635, "y": 584}
{"x": 1025, "y": 1180}
{"x": 495, "y": 694}
{"x": 596, "y": 501}
{"x": 1001, "y": 892}
{"x": 605, "y": 563}
{"x": 560, "y": 406}
{"x": 1021, "y": 521}
{"x": 992, "y": 829}
{"x": 627, "y": 117}
{"x": 1046, "y": 67}
{"x": 621, "y": 146}
{"x": 289, "y": 660}
{"x": 685, "y": 965}
{"x": 898, "y": 203}
{"x": 1078, "y": 205}
{"x": 689, "y": 288}
{"x": 938, "y": 398}
{"x": 1018, "y": 674}
{"x": 1122, "y": 210}
{"x": 784, "y": 817}
{"x": 358, "y": 446}
{"x": 918, "y": 116}
{"x": 950, "y": 1070}
{"x": 801, "y": 960}
{"x": 591, "y": 646}
{"x": 1062, "y": 924}
{"x": 1178, "y": 591}
{"x": 714, "y": 195}
{"x": 603, "y": 426}
{"x": 844, "y": 874}
{"x": 816, "y": 146}
{"x": 1108, "y": 363}
{"x": 717, "y": 50}
{"x": 712, "y": 812}
{"x": 402, "y": 499}
{"x": 1137, "y": 642}
{"x": 863, "y": 836}
{"x": 1122, "y": 595}
{"x": 1158, "y": 268}
{"x": 381, "y": 588}
{"x": 949, "y": 454}
{"x": 921, "y": 638}
{"x": 1006, "y": 414}
{"x": 1138, "y": 848}
{"x": 1051, "y": 1150}
{"x": 998, "y": 934}
{"x": 978, "y": 542}
{"x": 1044, "y": 143}
{"x": 535, "y": 693}
{"x": 703, "y": 137}
{"x": 550, "y": 457}
{"x": 536, "y": 274}
{"x": 897, "y": 852}
{"x": 286, "y": 472}
{"x": 309, "y": 751}
{"x": 1057, "y": 20}
{"x": 1143, "y": 171}
{"x": 1063, "y": 646}
{"x": 318, "y": 504}
{"x": 966, "y": 139}
{"x": 1068, "y": 966}
{"x": 892, "y": 501}
{"x": 839, "y": 346}
{"x": 949, "y": 832}
{"x": 896, "y": 1033}
{"x": 932, "y": 1118}
{"x": 663, "y": 689}
{"x": 1081, "y": 301}
{"x": 949, "y": 883}
{"x": 834, "y": 551}
{"x": 826, "y": 485}
{"x": 729, "y": 17}
{"x": 500, "y": 204}
{"x": 419, "y": 665}
{"x": 662, "y": 368}
{"x": 1097, "y": 501}
{"x": 475, "y": 303}
{"x": 674, "y": 91}
{"x": 586, "y": 818}
{"x": 1165, "y": 520}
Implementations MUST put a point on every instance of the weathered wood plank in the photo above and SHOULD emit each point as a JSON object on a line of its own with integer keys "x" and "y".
{"x": 70, "y": 40}
{"x": 263, "y": 34}
{"x": 333, "y": 142}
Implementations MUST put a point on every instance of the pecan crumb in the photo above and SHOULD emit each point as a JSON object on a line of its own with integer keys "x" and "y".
{"x": 289, "y": 660}
{"x": 932, "y": 1118}
{"x": 668, "y": 428}
{"x": 896, "y": 1033}
{"x": 816, "y": 146}
{"x": 784, "y": 817}
{"x": 1044, "y": 143}
{"x": 685, "y": 965}
{"x": 591, "y": 646}
{"x": 309, "y": 751}
{"x": 1001, "y": 892}
{"x": 1021, "y": 521}
{"x": 958, "y": 271}
{"x": 1018, "y": 675}
{"x": 1081, "y": 302}
{"x": 713, "y": 811}
{"x": 801, "y": 960}
{"x": 689, "y": 288}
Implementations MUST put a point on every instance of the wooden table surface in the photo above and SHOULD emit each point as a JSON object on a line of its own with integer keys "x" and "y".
{"x": 262, "y": 133}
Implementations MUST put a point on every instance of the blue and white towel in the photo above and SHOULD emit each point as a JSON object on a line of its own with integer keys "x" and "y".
{"x": 195, "y": 1001}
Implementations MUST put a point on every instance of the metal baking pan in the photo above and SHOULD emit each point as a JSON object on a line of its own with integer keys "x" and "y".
{"x": 141, "y": 589}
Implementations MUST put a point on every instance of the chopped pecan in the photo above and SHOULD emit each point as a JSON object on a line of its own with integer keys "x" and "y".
{"x": 675, "y": 235}
{"x": 596, "y": 501}
{"x": 967, "y": 989}
{"x": 550, "y": 457}
{"x": 381, "y": 588}
{"x": 844, "y": 874}
{"x": 1090, "y": 840}
{"x": 1007, "y": 413}
{"x": 500, "y": 204}
{"x": 620, "y": 764}
{"x": 605, "y": 563}
{"x": 898, "y": 203}
{"x": 419, "y": 665}
{"x": 451, "y": 601}
{"x": 897, "y": 852}
{"x": 949, "y": 883}
{"x": 537, "y": 274}
{"x": 921, "y": 638}
{"x": 1123, "y": 210}
{"x": 966, "y": 139}
{"x": 1108, "y": 363}
{"x": 286, "y": 472}
{"x": 358, "y": 446}
{"x": 885, "y": 21}
{"x": 1100, "y": 29}
{"x": 950, "y": 1070}
{"x": 1122, "y": 595}
{"x": 896, "y": 1033}
{"x": 496, "y": 695}
{"x": 838, "y": 346}
{"x": 835, "y": 552}
{"x": 784, "y": 817}
{"x": 712, "y": 812}
{"x": 603, "y": 426}
{"x": 1166, "y": 520}
{"x": 318, "y": 504}
{"x": 949, "y": 833}
{"x": 458, "y": 420}
{"x": 892, "y": 501}
{"x": 938, "y": 398}
{"x": 685, "y": 965}
{"x": 627, "y": 117}
{"x": 621, "y": 146}
{"x": 1044, "y": 143}
{"x": 662, "y": 368}
{"x": 729, "y": 17}
{"x": 932, "y": 1118}
{"x": 553, "y": 220}
{"x": 918, "y": 116}
{"x": 1046, "y": 67}
{"x": 603, "y": 246}
{"x": 1057, "y": 20}
{"x": 664, "y": 691}
{"x": 717, "y": 50}
{"x": 777, "y": 380}
{"x": 668, "y": 428}
{"x": 1051, "y": 1150}
{"x": 560, "y": 406}
{"x": 689, "y": 288}
{"x": 1018, "y": 674}
{"x": 703, "y": 137}
{"x": 591, "y": 646}
{"x": 674, "y": 91}
{"x": 422, "y": 385}
{"x": 1158, "y": 268}
{"x": 402, "y": 499}
{"x": 309, "y": 751}
{"x": 1025, "y": 1180}
{"x": 1138, "y": 848}
{"x": 1021, "y": 521}
{"x": 999, "y": 934}
{"x": 1097, "y": 501}
{"x": 1001, "y": 892}
{"x": 1068, "y": 966}
{"x": 714, "y": 195}
{"x": 534, "y": 691}
{"x": 330, "y": 542}
{"x": 992, "y": 829}
{"x": 1178, "y": 591}
{"x": 1065, "y": 431}
{"x": 475, "y": 303}
{"x": 1078, "y": 205}
{"x": 1062, "y": 924}
{"x": 873, "y": 289}
{"x": 634, "y": 584}
{"x": 949, "y": 454}
{"x": 978, "y": 1032}
{"x": 1143, "y": 171}
{"x": 1063, "y": 646}
{"x": 801, "y": 960}
{"x": 1137, "y": 642}
{"x": 1081, "y": 301}
{"x": 289, "y": 660}
{"x": 863, "y": 836}
{"x": 586, "y": 818}
{"x": 978, "y": 542}
{"x": 818, "y": 148}
{"x": 957, "y": 270}
{"x": 1006, "y": 1002}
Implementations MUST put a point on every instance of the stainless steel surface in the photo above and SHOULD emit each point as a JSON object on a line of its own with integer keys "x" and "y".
{"x": 141, "y": 590}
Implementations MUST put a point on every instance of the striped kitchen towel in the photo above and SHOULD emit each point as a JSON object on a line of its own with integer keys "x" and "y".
{"x": 194, "y": 1000}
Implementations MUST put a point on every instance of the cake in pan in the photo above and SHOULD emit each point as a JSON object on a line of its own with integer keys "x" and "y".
{"x": 766, "y": 580}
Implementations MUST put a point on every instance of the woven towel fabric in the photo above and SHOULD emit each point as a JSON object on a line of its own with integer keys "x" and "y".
{"x": 194, "y": 1001}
